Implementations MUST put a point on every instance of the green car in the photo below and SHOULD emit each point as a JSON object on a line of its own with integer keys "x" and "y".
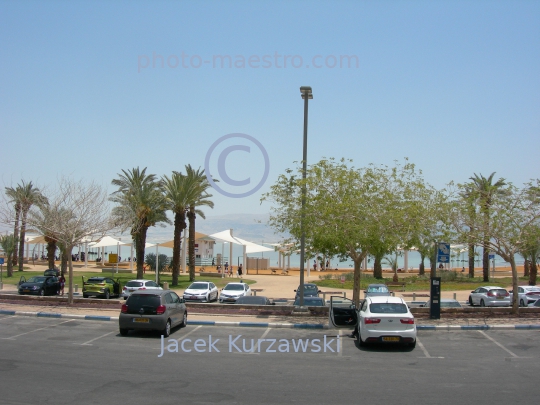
{"x": 104, "y": 287}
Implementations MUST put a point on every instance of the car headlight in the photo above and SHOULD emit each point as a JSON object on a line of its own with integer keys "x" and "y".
{"x": 35, "y": 287}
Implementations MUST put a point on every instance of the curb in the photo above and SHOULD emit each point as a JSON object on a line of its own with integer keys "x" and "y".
{"x": 270, "y": 324}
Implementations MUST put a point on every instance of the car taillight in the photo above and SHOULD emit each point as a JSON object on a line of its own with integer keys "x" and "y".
{"x": 533, "y": 293}
{"x": 142, "y": 288}
{"x": 161, "y": 309}
{"x": 507, "y": 294}
{"x": 124, "y": 308}
{"x": 371, "y": 320}
{"x": 409, "y": 321}
{"x": 491, "y": 294}
{"x": 125, "y": 288}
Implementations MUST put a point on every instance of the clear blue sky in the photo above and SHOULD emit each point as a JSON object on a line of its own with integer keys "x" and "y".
{"x": 452, "y": 85}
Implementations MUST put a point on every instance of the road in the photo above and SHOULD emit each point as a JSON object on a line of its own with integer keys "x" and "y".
{"x": 60, "y": 361}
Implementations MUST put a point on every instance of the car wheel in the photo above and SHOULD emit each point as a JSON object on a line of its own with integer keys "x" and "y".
{"x": 482, "y": 303}
{"x": 124, "y": 332}
{"x": 167, "y": 331}
{"x": 471, "y": 302}
{"x": 42, "y": 292}
{"x": 107, "y": 294}
{"x": 522, "y": 303}
{"x": 184, "y": 320}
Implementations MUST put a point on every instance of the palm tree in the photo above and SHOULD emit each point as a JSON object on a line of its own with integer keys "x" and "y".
{"x": 199, "y": 197}
{"x": 180, "y": 190}
{"x": 24, "y": 195}
{"x": 12, "y": 194}
{"x": 9, "y": 246}
{"x": 141, "y": 205}
{"x": 483, "y": 190}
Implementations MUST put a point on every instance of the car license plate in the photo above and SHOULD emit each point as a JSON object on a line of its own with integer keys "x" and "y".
{"x": 230, "y": 299}
{"x": 141, "y": 320}
{"x": 26, "y": 290}
{"x": 500, "y": 298}
{"x": 390, "y": 339}
{"x": 192, "y": 298}
{"x": 131, "y": 290}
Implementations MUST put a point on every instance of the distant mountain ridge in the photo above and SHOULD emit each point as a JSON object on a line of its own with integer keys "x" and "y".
{"x": 251, "y": 227}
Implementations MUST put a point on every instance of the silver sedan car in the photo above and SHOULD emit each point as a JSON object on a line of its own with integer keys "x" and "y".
{"x": 490, "y": 296}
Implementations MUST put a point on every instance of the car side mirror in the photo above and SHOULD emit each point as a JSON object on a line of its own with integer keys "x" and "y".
{"x": 319, "y": 291}
{"x": 511, "y": 291}
{"x": 352, "y": 306}
{"x": 472, "y": 292}
{"x": 294, "y": 290}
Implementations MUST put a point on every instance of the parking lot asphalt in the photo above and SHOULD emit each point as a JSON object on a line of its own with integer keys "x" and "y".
{"x": 67, "y": 361}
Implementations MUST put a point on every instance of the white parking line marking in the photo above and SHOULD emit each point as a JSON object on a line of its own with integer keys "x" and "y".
{"x": 498, "y": 344}
{"x": 90, "y": 341}
{"x": 261, "y": 338}
{"x": 36, "y": 330}
{"x": 340, "y": 346}
{"x": 189, "y": 333}
{"x": 426, "y": 353}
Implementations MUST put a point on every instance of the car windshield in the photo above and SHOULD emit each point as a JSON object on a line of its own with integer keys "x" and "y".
{"x": 252, "y": 300}
{"x": 37, "y": 279}
{"x": 234, "y": 287}
{"x": 198, "y": 286}
{"x": 134, "y": 284}
{"x": 95, "y": 280}
{"x": 388, "y": 308}
{"x": 310, "y": 287}
{"x": 377, "y": 289}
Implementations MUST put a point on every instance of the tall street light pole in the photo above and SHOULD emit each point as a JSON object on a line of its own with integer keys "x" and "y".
{"x": 306, "y": 95}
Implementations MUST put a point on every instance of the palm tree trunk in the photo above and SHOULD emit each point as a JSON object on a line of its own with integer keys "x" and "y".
{"x": 526, "y": 268}
{"x": 471, "y": 260}
{"x": 10, "y": 265}
{"x": 66, "y": 257}
{"x": 515, "y": 297}
{"x": 15, "y": 260}
{"x": 357, "y": 278}
{"x": 534, "y": 270}
{"x": 51, "y": 251}
{"x": 179, "y": 226}
{"x": 21, "y": 240}
{"x": 191, "y": 243}
{"x": 140, "y": 244}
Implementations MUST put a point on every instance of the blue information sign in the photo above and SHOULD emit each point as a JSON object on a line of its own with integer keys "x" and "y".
{"x": 491, "y": 257}
{"x": 443, "y": 253}
{"x": 1, "y": 260}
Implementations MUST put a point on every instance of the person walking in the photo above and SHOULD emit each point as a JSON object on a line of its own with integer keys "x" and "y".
{"x": 230, "y": 271}
{"x": 240, "y": 270}
{"x": 61, "y": 284}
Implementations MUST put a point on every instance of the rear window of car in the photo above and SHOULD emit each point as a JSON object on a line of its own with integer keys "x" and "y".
{"x": 134, "y": 284}
{"x": 451, "y": 304}
{"x": 498, "y": 291}
{"x": 252, "y": 300}
{"x": 137, "y": 301}
{"x": 388, "y": 308}
{"x": 308, "y": 287}
{"x": 310, "y": 303}
{"x": 198, "y": 286}
{"x": 95, "y": 280}
{"x": 234, "y": 287}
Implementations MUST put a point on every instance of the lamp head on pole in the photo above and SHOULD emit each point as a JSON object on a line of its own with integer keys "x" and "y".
{"x": 306, "y": 92}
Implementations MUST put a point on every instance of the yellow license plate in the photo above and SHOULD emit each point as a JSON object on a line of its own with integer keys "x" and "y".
{"x": 141, "y": 320}
{"x": 390, "y": 339}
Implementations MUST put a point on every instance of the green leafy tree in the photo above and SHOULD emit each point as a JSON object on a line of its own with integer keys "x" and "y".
{"x": 163, "y": 262}
{"x": 141, "y": 204}
{"x": 514, "y": 217}
{"x": 349, "y": 212}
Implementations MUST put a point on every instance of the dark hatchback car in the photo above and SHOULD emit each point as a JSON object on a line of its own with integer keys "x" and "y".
{"x": 310, "y": 290}
{"x": 39, "y": 285}
{"x": 152, "y": 310}
{"x": 254, "y": 300}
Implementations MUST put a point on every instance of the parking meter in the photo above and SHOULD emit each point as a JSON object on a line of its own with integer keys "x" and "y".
{"x": 435, "y": 299}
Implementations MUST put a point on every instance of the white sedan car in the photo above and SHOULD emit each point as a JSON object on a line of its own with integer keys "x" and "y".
{"x": 201, "y": 291}
{"x": 136, "y": 285}
{"x": 527, "y": 294}
{"x": 386, "y": 320}
{"x": 232, "y": 291}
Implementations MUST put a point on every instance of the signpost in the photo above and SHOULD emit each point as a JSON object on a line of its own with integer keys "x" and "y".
{"x": 443, "y": 256}
{"x": 443, "y": 252}
{"x": 492, "y": 257}
{"x": 1, "y": 271}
